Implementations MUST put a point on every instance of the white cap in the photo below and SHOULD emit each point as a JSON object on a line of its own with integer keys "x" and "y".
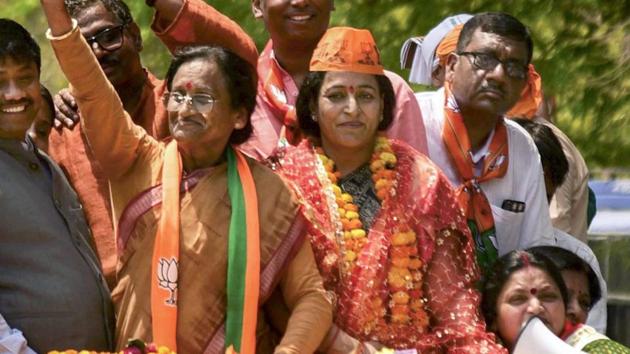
{"x": 424, "y": 61}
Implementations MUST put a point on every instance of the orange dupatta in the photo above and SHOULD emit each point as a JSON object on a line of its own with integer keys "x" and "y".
{"x": 166, "y": 255}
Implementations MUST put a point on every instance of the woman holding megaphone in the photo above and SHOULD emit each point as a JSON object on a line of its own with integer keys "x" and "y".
{"x": 522, "y": 285}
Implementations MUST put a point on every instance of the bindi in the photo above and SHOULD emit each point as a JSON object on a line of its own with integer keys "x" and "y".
{"x": 188, "y": 85}
{"x": 533, "y": 291}
{"x": 351, "y": 89}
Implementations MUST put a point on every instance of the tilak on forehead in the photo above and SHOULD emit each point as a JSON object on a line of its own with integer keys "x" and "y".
{"x": 188, "y": 85}
{"x": 527, "y": 264}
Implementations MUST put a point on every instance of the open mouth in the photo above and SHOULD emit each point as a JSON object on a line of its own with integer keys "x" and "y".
{"x": 301, "y": 18}
{"x": 14, "y": 109}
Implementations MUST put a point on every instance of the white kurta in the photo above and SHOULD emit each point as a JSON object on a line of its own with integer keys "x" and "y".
{"x": 523, "y": 181}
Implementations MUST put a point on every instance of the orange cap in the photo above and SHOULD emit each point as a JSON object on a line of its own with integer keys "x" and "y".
{"x": 347, "y": 49}
{"x": 531, "y": 96}
{"x": 448, "y": 44}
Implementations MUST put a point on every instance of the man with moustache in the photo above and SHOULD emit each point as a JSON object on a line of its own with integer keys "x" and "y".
{"x": 491, "y": 161}
{"x": 51, "y": 285}
{"x": 295, "y": 28}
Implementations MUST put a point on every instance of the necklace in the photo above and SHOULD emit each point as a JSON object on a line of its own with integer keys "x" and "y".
{"x": 404, "y": 305}
{"x": 353, "y": 235}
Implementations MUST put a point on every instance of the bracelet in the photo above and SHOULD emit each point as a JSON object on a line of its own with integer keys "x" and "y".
{"x": 150, "y": 2}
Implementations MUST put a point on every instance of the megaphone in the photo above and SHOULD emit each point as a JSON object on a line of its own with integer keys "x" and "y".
{"x": 536, "y": 338}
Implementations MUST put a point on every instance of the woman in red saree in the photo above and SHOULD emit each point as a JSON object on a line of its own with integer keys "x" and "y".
{"x": 388, "y": 236}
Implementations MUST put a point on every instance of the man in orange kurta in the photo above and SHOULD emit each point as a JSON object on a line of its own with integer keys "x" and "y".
{"x": 177, "y": 23}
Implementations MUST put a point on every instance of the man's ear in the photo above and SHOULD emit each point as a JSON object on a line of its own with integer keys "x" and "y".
{"x": 256, "y": 10}
{"x": 134, "y": 31}
{"x": 449, "y": 69}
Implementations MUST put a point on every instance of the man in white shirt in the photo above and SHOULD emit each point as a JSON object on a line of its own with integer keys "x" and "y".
{"x": 492, "y": 162}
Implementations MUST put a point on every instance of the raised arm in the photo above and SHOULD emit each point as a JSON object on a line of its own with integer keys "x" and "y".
{"x": 113, "y": 137}
{"x": 193, "y": 22}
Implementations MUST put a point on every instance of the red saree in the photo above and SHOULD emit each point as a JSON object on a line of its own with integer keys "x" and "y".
{"x": 423, "y": 200}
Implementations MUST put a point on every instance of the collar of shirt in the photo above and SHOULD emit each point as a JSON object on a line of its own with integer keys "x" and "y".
{"x": 291, "y": 90}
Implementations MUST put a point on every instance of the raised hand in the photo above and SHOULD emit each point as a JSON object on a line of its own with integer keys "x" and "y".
{"x": 66, "y": 109}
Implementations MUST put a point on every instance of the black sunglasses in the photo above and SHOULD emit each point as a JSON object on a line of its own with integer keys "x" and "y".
{"x": 487, "y": 62}
{"x": 109, "y": 39}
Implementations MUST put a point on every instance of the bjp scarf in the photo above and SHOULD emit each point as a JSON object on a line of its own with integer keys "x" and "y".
{"x": 243, "y": 274}
{"x": 273, "y": 87}
{"x": 470, "y": 195}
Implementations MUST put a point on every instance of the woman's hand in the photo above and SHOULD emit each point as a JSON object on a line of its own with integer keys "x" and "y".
{"x": 58, "y": 19}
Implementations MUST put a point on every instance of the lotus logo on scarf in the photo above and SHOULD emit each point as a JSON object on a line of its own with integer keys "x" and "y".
{"x": 167, "y": 278}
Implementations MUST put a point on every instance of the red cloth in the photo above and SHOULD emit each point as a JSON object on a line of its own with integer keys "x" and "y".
{"x": 196, "y": 22}
{"x": 424, "y": 197}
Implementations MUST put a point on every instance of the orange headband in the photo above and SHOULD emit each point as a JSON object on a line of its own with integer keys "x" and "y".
{"x": 347, "y": 49}
{"x": 448, "y": 44}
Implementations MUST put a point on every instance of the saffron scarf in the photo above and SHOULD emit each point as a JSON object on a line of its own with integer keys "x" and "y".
{"x": 243, "y": 272}
{"x": 273, "y": 87}
{"x": 471, "y": 197}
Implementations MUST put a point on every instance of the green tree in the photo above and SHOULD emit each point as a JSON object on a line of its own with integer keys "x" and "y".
{"x": 582, "y": 51}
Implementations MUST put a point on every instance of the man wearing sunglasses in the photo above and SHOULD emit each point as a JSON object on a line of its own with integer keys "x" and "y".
{"x": 115, "y": 39}
{"x": 491, "y": 161}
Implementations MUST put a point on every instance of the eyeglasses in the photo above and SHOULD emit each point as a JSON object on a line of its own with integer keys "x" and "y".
{"x": 108, "y": 39}
{"x": 488, "y": 62}
{"x": 176, "y": 101}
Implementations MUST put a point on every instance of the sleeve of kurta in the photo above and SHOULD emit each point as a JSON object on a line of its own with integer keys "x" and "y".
{"x": 408, "y": 124}
{"x": 199, "y": 23}
{"x": 111, "y": 134}
{"x": 311, "y": 310}
{"x": 453, "y": 302}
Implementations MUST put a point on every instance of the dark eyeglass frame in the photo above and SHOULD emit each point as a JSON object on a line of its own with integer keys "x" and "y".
{"x": 177, "y": 101}
{"x": 512, "y": 67}
{"x": 97, "y": 38}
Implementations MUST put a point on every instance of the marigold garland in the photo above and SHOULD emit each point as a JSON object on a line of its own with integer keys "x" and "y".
{"x": 404, "y": 277}
{"x": 133, "y": 347}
